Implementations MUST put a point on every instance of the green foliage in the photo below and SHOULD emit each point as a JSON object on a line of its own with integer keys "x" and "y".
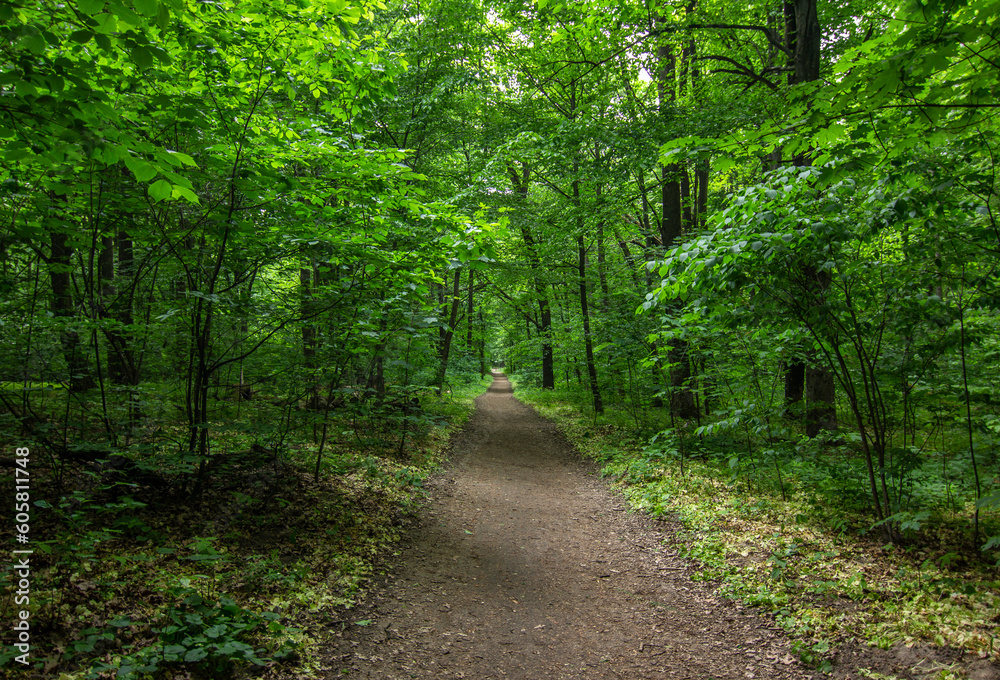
{"x": 802, "y": 558}
{"x": 204, "y": 634}
{"x": 85, "y": 521}
{"x": 239, "y": 237}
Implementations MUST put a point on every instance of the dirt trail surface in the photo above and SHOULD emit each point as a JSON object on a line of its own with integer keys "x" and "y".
{"x": 525, "y": 566}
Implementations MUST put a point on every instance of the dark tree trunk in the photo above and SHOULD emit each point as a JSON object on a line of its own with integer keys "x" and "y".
{"x": 520, "y": 181}
{"x": 588, "y": 344}
{"x": 548, "y": 356}
{"x": 671, "y": 225}
{"x": 482, "y": 345}
{"x": 808, "y": 41}
{"x": 117, "y": 369}
{"x": 795, "y": 382}
{"x": 469, "y": 310}
{"x": 682, "y": 401}
{"x": 687, "y": 200}
{"x": 123, "y": 365}
{"x": 791, "y": 38}
{"x": 821, "y": 413}
{"x": 376, "y": 377}
{"x": 702, "y": 180}
{"x": 821, "y": 410}
{"x": 106, "y": 272}
{"x": 602, "y": 268}
{"x": 444, "y": 349}
{"x": 63, "y": 307}
{"x": 803, "y": 38}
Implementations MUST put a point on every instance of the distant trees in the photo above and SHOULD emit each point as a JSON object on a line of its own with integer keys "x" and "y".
{"x": 193, "y": 195}
{"x": 802, "y": 203}
{"x": 763, "y": 175}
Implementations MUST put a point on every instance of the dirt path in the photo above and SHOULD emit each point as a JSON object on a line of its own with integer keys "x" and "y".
{"x": 525, "y": 566}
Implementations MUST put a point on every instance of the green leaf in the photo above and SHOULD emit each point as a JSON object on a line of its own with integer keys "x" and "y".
{"x": 142, "y": 170}
{"x": 33, "y": 43}
{"x": 147, "y": 8}
{"x": 182, "y": 157}
{"x": 163, "y": 17}
{"x": 723, "y": 163}
{"x": 112, "y": 154}
{"x": 90, "y": 7}
{"x": 160, "y": 190}
{"x": 195, "y": 655}
{"x": 186, "y": 194}
{"x": 989, "y": 502}
{"x": 216, "y": 631}
{"x": 142, "y": 57}
{"x": 107, "y": 24}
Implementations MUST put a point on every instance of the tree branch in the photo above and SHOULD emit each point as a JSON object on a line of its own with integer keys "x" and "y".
{"x": 740, "y": 69}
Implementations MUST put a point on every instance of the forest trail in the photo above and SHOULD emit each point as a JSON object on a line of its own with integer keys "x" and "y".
{"x": 525, "y": 566}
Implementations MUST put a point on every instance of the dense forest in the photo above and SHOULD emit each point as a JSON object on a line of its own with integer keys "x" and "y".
{"x": 256, "y": 258}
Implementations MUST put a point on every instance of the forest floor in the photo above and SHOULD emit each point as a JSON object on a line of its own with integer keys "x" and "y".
{"x": 525, "y": 565}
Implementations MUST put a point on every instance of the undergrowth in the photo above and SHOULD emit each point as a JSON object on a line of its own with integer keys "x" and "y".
{"x": 815, "y": 564}
{"x": 133, "y": 579}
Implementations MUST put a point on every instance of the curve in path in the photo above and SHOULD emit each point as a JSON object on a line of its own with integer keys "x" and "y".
{"x": 525, "y": 566}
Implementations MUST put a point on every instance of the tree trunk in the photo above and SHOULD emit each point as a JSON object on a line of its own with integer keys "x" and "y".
{"x": 548, "y": 357}
{"x": 123, "y": 365}
{"x": 602, "y": 268}
{"x": 808, "y": 41}
{"x": 588, "y": 345}
{"x": 803, "y": 38}
{"x": 117, "y": 369}
{"x": 482, "y": 345}
{"x": 821, "y": 412}
{"x": 795, "y": 382}
{"x": 468, "y": 311}
{"x": 701, "y": 175}
{"x": 671, "y": 225}
{"x": 444, "y": 349}
{"x": 520, "y": 181}
{"x": 376, "y": 377}
{"x": 682, "y": 401}
{"x": 63, "y": 307}
{"x": 687, "y": 199}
